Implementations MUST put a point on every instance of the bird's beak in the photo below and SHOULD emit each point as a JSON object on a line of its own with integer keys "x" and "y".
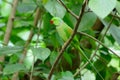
{"x": 51, "y": 22}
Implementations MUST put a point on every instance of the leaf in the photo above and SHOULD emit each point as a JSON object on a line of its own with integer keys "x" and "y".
{"x": 88, "y": 20}
{"x": 68, "y": 58}
{"x": 13, "y": 59}
{"x": 102, "y": 7}
{"x": 118, "y": 6}
{"x": 87, "y": 75}
{"x": 10, "y": 50}
{"x": 25, "y": 7}
{"x": 29, "y": 59}
{"x": 12, "y": 68}
{"x": 67, "y": 76}
{"x": 53, "y": 57}
{"x": 115, "y": 31}
{"x": 41, "y": 53}
{"x": 55, "y": 9}
{"x": 99, "y": 65}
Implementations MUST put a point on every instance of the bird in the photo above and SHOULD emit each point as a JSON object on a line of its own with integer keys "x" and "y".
{"x": 65, "y": 31}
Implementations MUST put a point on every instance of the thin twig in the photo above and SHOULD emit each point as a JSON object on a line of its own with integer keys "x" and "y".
{"x": 68, "y": 41}
{"x": 96, "y": 48}
{"x": 37, "y": 16}
{"x": 116, "y": 16}
{"x": 67, "y": 9}
{"x": 91, "y": 37}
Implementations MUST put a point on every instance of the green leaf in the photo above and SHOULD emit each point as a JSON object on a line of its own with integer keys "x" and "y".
{"x": 87, "y": 75}
{"x": 67, "y": 76}
{"x": 53, "y": 57}
{"x": 114, "y": 30}
{"x": 12, "y": 68}
{"x": 25, "y": 7}
{"x": 29, "y": 59}
{"x": 55, "y": 9}
{"x": 41, "y": 53}
{"x": 68, "y": 58}
{"x": 13, "y": 59}
{"x": 102, "y": 7}
{"x": 88, "y": 20}
{"x": 10, "y": 50}
{"x": 118, "y": 6}
{"x": 99, "y": 65}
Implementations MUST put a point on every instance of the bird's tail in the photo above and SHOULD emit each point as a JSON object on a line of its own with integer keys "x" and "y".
{"x": 85, "y": 56}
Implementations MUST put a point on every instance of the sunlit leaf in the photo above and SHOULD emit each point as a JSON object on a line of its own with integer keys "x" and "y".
{"x": 87, "y": 22}
{"x": 102, "y": 7}
{"x": 56, "y": 9}
{"x": 41, "y": 53}
{"x": 28, "y": 61}
{"x": 118, "y": 6}
{"x": 66, "y": 76}
{"x": 87, "y": 75}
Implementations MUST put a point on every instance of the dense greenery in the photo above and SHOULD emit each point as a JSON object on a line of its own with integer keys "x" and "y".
{"x": 30, "y": 45}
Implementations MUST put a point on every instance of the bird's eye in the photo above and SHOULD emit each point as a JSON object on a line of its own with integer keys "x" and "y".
{"x": 51, "y": 22}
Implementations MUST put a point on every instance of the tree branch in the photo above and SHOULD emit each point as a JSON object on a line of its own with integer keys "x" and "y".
{"x": 96, "y": 47}
{"x": 98, "y": 42}
{"x": 68, "y": 41}
{"x": 67, "y": 9}
{"x": 9, "y": 26}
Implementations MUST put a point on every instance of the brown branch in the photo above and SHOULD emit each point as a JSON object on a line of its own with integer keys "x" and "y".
{"x": 9, "y": 26}
{"x": 68, "y": 41}
{"x": 15, "y": 75}
{"x": 115, "y": 76}
{"x": 67, "y": 9}
{"x": 10, "y": 22}
{"x": 109, "y": 25}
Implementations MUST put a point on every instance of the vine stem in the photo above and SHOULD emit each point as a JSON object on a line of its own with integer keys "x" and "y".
{"x": 68, "y": 41}
{"x": 38, "y": 14}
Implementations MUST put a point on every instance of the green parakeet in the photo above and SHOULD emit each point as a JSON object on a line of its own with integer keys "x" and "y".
{"x": 65, "y": 31}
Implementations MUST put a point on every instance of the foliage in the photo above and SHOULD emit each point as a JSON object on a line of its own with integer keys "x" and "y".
{"x": 34, "y": 44}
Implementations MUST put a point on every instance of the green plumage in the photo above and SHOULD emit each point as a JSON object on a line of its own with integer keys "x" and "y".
{"x": 65, "y": 31}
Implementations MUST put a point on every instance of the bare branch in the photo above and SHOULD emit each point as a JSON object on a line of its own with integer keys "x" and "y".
{"x": 9, "y": 26}
{"x": 67, "y": 9}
